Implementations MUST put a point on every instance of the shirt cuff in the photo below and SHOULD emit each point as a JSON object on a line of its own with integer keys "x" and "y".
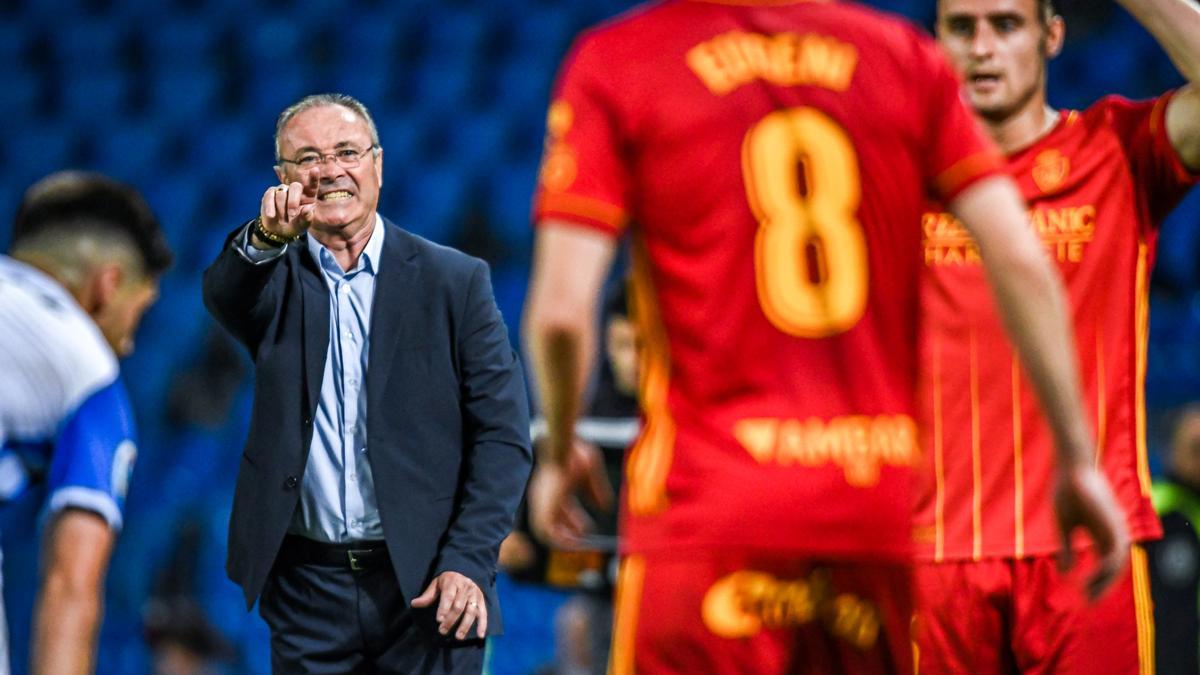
{"x": 252, "y": 254}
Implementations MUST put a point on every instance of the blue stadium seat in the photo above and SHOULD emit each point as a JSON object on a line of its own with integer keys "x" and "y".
{"x": 38, "y": 150}
{"x": 223, "y": 141}
{"x": 510, "y": 195}
{"x": 88, "y": 44}
{"x": 178, "y": 201}
{"x": 16, "y": 38}
{"x": 276, "y": 41}
{"x": 374, "y": 85}
{"x": 181, "y": 43}
{"x": 433, "y": 201}
{"x": 94, "y": 94}
{"x": 477, "y": 141}
{"x": 456, "y": 30}
{"x": 131, "y": 150}
{"x": 185, "y": 95}
{"x": 402, "y": 136}
{"x": 443, "y": 85}
{"x": 22, "y": 92}
{"x": 287, "y": 85}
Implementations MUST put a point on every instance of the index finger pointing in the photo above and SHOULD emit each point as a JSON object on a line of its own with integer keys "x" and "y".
{"x": 311, "y": 183}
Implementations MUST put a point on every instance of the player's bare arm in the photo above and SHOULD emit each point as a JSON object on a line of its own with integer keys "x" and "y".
{"x": 1176, "y": 26}
{"x": 570, "y": 264}
{"x": 67, "y": 617}
{"x": 1033, "y": 305}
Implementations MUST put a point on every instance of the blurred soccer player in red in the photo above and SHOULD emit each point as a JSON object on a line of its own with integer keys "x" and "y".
{"x": 1099, "y": 183}
{"x": 771, "y": 162}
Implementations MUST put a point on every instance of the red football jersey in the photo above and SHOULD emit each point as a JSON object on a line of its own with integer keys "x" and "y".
{"x": 1098, "y": 186}
{"x": 774, "y": 162}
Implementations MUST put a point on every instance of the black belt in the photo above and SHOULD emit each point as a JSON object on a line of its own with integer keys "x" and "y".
{"x": 357, "y": 555}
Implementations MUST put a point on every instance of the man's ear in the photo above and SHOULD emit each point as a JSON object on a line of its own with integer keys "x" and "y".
{"x": 279, "y": 174}
{"x": 101, "y": 286}
{"x": 1056, "y": 35}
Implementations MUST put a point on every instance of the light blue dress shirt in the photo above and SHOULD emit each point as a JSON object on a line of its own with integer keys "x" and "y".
{"x": 337, "y": 496}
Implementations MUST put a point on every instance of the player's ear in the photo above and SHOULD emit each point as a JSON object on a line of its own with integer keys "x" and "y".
{"x": 1056, "y": 34}
{"x": 279, "y": 173}
{"x": 378, "y": 159}
{"x": 102, "y": 285}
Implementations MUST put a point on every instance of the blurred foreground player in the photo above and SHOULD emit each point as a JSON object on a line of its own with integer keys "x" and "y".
{"x": 84, "y": 265}
{"x": 775, "y": 160}
{"x": 1098, "y": 183}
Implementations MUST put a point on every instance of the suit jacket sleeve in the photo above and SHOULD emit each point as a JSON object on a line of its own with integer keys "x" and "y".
{"x": 497, "y": 451}
{"x": 240, "y": 295}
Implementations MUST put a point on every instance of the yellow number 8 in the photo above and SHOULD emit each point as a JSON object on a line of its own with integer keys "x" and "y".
{"x": 810, "y": 254}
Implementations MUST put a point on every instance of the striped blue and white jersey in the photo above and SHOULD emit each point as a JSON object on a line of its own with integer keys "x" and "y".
{"x": 65, "y": 419}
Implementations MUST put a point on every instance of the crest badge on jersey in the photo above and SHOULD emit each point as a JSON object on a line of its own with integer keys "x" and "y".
{"x": 559, "y": 167}
{"x": 1050, "y": 170}
{"x": 122, "y": 468}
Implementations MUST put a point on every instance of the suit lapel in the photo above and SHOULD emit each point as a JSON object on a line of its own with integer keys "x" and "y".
{"x": 393, "y": 309}
{"x": 314, "y": 307}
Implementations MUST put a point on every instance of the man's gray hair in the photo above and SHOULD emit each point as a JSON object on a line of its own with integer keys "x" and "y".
{"x": 317, "y": 100}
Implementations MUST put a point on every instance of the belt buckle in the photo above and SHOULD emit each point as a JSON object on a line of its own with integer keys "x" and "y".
{"x": 353, "y": 555}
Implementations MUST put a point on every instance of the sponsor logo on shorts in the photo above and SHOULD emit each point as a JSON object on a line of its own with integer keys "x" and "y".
{"x": 746, "y": 602}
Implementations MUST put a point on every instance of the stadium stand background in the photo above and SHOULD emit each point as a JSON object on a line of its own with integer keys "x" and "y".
{"x": 179, "y": 97}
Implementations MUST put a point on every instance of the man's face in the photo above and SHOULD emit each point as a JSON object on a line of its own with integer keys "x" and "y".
{"x": 120, "y": 313}
{"x": 1000, "y": 48}
{"x": 344, "y": 195}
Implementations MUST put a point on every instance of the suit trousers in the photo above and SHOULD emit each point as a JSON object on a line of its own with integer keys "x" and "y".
{"x": 327, "y": 618}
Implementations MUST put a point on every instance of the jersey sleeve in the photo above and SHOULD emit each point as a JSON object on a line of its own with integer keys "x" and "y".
{"x": 1160, "y": 176}
{"x": 93, "y": 456}
{"x": 957, "y": 152}
{"x": 584, "y": 178}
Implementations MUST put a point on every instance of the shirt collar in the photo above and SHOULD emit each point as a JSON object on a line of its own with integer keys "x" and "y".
{"x": 368, "y": 261}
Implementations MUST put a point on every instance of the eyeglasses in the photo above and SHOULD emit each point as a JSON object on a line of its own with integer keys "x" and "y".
{"x": 347, "y": 158}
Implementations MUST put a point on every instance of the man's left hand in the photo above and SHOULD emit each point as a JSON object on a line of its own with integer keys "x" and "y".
{"x": 461, "y": 603}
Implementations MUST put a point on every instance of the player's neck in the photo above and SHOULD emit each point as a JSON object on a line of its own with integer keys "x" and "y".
{"x": 1019, "y": 131}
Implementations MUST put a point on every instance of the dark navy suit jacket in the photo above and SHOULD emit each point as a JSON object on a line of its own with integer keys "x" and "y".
{"x": 447, "y": 413}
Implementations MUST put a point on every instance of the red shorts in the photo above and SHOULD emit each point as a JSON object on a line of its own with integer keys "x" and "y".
{"x": 760, "y": 613}
{"x": 1022, "y": 616}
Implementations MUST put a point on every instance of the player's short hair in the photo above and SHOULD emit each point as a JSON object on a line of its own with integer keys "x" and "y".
{"x": 69, "y": 206}
{"x": 316, "y": 100}
{"x": 1046, "y": 10}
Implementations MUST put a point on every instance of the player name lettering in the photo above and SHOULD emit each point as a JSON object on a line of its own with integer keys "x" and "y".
{"x": 859, "y": 444}
{"x": 743, "y": 603}
{"x": 1065, "y": 231}
{"x": 736, "y": 58}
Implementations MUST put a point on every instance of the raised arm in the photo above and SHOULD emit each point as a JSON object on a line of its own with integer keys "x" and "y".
{"x": 1176, "y": 26}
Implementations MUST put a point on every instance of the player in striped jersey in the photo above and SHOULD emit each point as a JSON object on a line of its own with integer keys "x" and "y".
{"x": 84, "y": 264}
{"x": 1098, "y": 182}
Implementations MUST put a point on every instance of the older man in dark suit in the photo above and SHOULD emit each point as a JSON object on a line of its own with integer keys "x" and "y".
{"x": 388, "y": 448}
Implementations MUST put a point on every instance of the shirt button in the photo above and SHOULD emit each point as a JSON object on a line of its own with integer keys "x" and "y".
{"x": 348, "y": 335}
{"x": 353, "y": 383}
{"x": 351, "y": 476}
{"x": 345, "y": 290}
{"x": 351, "y": 429}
